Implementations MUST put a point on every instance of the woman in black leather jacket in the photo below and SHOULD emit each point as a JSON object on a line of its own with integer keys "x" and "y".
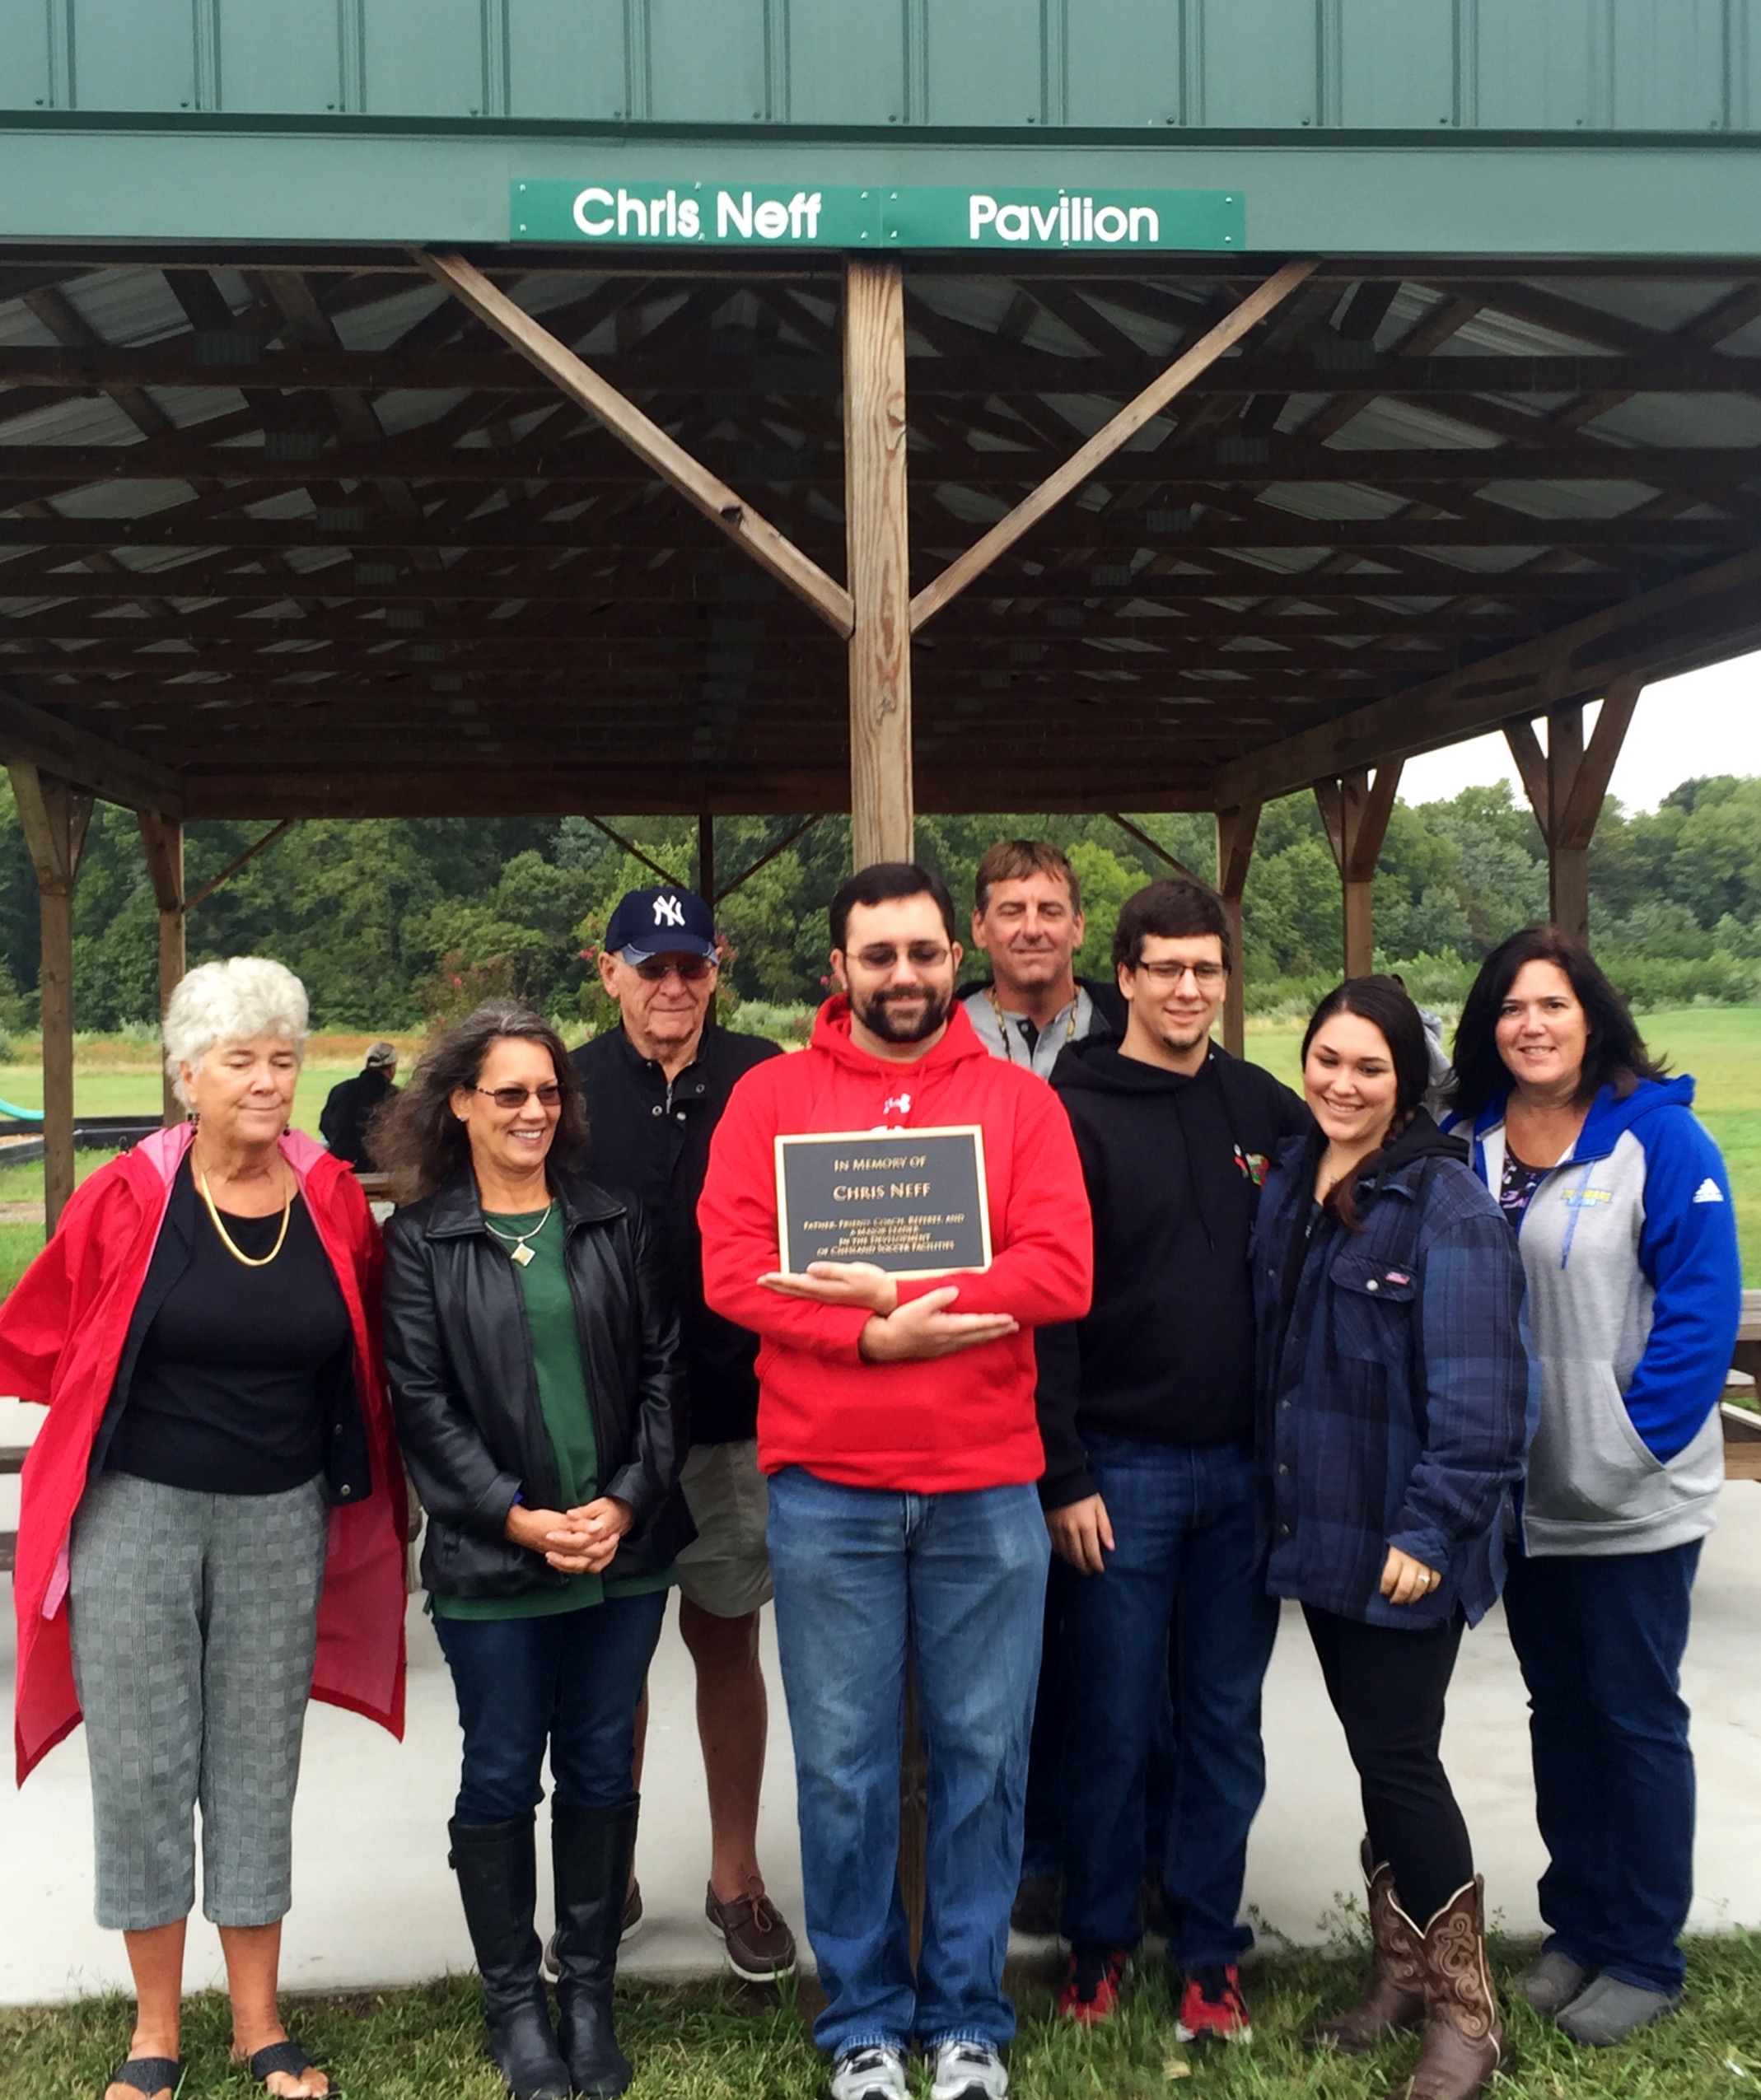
{"x": 534, "y": 1362}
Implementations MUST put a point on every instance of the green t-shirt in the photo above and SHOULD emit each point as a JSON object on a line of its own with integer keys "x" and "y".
{"x": 568, "y": 1421}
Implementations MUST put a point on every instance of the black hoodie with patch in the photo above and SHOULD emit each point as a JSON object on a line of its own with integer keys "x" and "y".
{"x": 1172, "y": 1165}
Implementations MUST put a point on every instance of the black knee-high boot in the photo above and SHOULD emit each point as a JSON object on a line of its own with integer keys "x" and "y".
{"x": 497, "y": 1870}
{"x": 592, "y": 1849}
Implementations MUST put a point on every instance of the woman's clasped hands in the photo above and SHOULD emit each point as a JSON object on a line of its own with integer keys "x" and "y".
{"x": 574, "y": 1542}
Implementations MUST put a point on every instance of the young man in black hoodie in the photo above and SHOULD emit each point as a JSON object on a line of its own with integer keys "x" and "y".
{"x": 1146, "y": 1408}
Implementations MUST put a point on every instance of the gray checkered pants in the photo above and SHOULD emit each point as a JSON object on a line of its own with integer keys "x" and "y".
{"x": 194, "y": 1627}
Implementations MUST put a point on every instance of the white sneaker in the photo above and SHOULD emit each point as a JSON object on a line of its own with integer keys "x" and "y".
{"x": 876, "y": 2072}
{"x": 968, "y": 2070}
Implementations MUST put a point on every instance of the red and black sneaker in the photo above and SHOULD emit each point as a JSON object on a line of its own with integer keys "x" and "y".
{"x": 1093, "y": 1980}
{"x": 1212, "y": 2009}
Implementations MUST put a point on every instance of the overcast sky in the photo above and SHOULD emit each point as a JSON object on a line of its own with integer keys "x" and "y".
{"x": 1708, "y": 722}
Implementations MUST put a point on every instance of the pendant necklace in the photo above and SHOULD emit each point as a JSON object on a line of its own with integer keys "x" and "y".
{"x": 1003, "y": 1025}
{"x": 250, "y": 1260}
{"x": 517, "y": 1250}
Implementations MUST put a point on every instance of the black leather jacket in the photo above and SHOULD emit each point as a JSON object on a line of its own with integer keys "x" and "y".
{"x": 465, "y": 1395}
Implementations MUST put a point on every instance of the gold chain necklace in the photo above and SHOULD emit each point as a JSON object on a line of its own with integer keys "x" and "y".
{"x": 517, "y": 1249}
{"x": 1002, "y": 1024}
{"x": 250, "y": 1260}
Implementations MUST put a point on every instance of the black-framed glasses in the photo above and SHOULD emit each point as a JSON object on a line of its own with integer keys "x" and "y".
{"x": 688, "y": 969}
{"x": 1204, "y": 974}
{"x": 921, "y": 954}
{"x": 548, "y": 1096}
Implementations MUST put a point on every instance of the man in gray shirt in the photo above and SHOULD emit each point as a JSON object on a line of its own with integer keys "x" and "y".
{"x": 1028, "y": 921}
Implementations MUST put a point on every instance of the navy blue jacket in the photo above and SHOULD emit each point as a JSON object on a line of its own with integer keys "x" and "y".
{"x": 1397, "y": 1396}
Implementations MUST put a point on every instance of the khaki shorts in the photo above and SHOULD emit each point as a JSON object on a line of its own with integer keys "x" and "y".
{"x": 726, "y": 1569}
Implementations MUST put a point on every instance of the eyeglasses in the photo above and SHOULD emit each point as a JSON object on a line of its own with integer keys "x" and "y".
{"x": 922, "y": 954}
{"x": 688, "y": 969}
{"x": 517, "y": 1097}
{"x": 1203, "y": 973}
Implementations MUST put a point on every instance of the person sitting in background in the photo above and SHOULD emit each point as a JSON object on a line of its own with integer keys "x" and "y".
{"x": 537, "y": 1374}
{"x": 654, "y": 1087}
{"x": 352, "y": 1104}
{"x": 211, "y": 1525}
{"x": 1396, "y": 1401}
{"x": 1623, "y": 1213}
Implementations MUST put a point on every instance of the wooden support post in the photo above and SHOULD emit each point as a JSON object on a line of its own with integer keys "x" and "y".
{"x": 877, "y": 533}
{"x": 1355, "y": 809}
{"x": 54, "y": 817}
{"x": 1235, "y": 852}
{"x": 706, "y": 858}
{"x": 162, "y": 841}
{"x": 1565, "y": 785}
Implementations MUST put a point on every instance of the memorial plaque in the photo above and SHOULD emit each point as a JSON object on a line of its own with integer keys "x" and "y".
{"x": 911, "y": 1202}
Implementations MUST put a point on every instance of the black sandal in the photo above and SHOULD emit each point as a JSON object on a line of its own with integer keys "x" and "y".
{"x": 149, "y": 2074}
{"x": 287, "y": 2056}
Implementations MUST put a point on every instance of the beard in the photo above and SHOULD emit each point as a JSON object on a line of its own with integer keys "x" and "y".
{"x": 877, "y": 1013}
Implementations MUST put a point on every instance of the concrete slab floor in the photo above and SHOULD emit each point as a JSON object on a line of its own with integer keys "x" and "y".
{"x": 375, "y": 1905}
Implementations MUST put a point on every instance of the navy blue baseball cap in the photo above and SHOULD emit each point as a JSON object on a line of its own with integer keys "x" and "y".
{"x": 661, "y": 921}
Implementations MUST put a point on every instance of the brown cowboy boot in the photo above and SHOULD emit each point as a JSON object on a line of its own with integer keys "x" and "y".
{"x": 1394, "y": 1997}
{"x": 1463, "y": 2037}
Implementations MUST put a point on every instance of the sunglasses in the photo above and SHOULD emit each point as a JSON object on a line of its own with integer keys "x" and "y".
{"x": 688, "y": 969}
{"x": 517, "y": 1097}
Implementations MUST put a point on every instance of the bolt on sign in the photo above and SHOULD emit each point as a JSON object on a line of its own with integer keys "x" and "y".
{"x": 750, "y": 215}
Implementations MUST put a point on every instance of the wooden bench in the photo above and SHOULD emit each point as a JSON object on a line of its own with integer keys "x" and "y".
{"x": 1742, "y": 1429}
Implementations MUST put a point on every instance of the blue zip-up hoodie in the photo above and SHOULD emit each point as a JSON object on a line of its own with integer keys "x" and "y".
{"x": 1635, "y": 1292}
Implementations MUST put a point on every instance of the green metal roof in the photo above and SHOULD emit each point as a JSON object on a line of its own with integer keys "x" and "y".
{"x": 1510, "y": 126}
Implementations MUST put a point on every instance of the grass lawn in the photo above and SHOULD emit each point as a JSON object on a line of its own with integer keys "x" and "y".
{"x": 719, "y": 2042}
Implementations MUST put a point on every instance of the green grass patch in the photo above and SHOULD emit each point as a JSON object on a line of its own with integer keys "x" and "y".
{"x": 718, "y": 2041}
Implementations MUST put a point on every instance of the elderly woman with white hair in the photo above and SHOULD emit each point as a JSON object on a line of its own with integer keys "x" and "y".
{"x": 211, "y": 1524}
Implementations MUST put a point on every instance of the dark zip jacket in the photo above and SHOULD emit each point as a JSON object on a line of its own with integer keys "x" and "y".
{"x": 458, "y": 1354}
{"x": 1173, "y": 1166}
{"x": 1397, "y": 1396}
{"x": 652, "y": 1139}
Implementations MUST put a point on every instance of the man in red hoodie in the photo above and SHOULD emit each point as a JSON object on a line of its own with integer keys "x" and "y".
{"x": 896, "y": 1422}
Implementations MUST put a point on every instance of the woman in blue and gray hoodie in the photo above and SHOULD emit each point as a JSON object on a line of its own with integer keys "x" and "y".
{"x": 1624, "y": 1212}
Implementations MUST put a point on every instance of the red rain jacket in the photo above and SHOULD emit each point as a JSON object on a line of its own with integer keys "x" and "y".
{"x": 943, "y": 1423}
{"x": 62, "y": 1335}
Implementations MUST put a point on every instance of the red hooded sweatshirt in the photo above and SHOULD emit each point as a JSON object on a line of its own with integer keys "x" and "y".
{"x": 941, "y": 1423}
{"x": 62, "y": 1335}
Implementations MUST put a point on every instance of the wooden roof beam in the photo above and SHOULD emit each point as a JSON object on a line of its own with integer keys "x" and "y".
{"x": 704, "y": 490}
{"x": 92, "y": 764}
{"x": 1703, "y": 618}
{"x": 1081, "y": 464}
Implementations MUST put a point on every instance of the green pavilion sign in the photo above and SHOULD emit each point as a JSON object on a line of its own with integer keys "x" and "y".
{"x": 606, "y": 213}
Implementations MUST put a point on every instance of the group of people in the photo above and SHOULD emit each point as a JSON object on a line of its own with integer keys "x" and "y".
{"x": 1231, "y": 1346}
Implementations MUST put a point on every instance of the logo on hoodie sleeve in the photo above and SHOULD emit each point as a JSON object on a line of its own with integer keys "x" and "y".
{"x": 1708, "y": 1192}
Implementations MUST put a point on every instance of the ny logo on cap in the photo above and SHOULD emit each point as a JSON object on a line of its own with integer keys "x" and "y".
{"x": 668, "y": 911}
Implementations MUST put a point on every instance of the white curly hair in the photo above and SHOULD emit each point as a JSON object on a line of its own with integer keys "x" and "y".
{"x": 230, "y": 1002}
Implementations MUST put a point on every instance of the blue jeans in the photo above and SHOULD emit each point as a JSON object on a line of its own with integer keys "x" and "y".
{"x": 1183, "y": 1518}
{"x": 572, "y": 1681}
{"x": 1599, "y": 1638}
{"x": 863, "y": 1577}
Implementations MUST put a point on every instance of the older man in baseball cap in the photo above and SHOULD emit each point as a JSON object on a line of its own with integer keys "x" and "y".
{"x": 352, "y": 1104}
{"x": 655, "y": 1086}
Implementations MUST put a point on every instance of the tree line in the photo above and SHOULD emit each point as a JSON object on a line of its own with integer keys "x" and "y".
{"x": 391, "y": 923}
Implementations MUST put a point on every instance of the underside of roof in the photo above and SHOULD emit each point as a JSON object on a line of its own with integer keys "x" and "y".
{"x": 301, "y": 531}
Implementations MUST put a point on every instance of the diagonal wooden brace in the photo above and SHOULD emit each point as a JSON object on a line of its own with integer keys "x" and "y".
{"x": 728, "y": 513}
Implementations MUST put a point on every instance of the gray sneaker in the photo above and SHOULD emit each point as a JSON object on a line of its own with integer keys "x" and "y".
{"x": 1607, "y": 2011}
{"x": 1552, "y": 1980}
{"x": 967, "y": 2070}
{"x": 876, "y": 2072}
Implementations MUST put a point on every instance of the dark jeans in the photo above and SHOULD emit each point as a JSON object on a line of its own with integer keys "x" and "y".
{"x": 1043, "y": 1840}
{"x": 864, "y": 1577}
{"x": 572, "y": 1682}
{"x": 1182, "y": 1518}
{"x": 1388, "y": 1686}
{"x": 1599, "y": 1638}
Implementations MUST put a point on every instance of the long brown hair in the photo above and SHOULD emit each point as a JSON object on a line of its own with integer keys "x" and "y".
{"x": 421, "y": 1144}
{"x": 1383, "y": 1001}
